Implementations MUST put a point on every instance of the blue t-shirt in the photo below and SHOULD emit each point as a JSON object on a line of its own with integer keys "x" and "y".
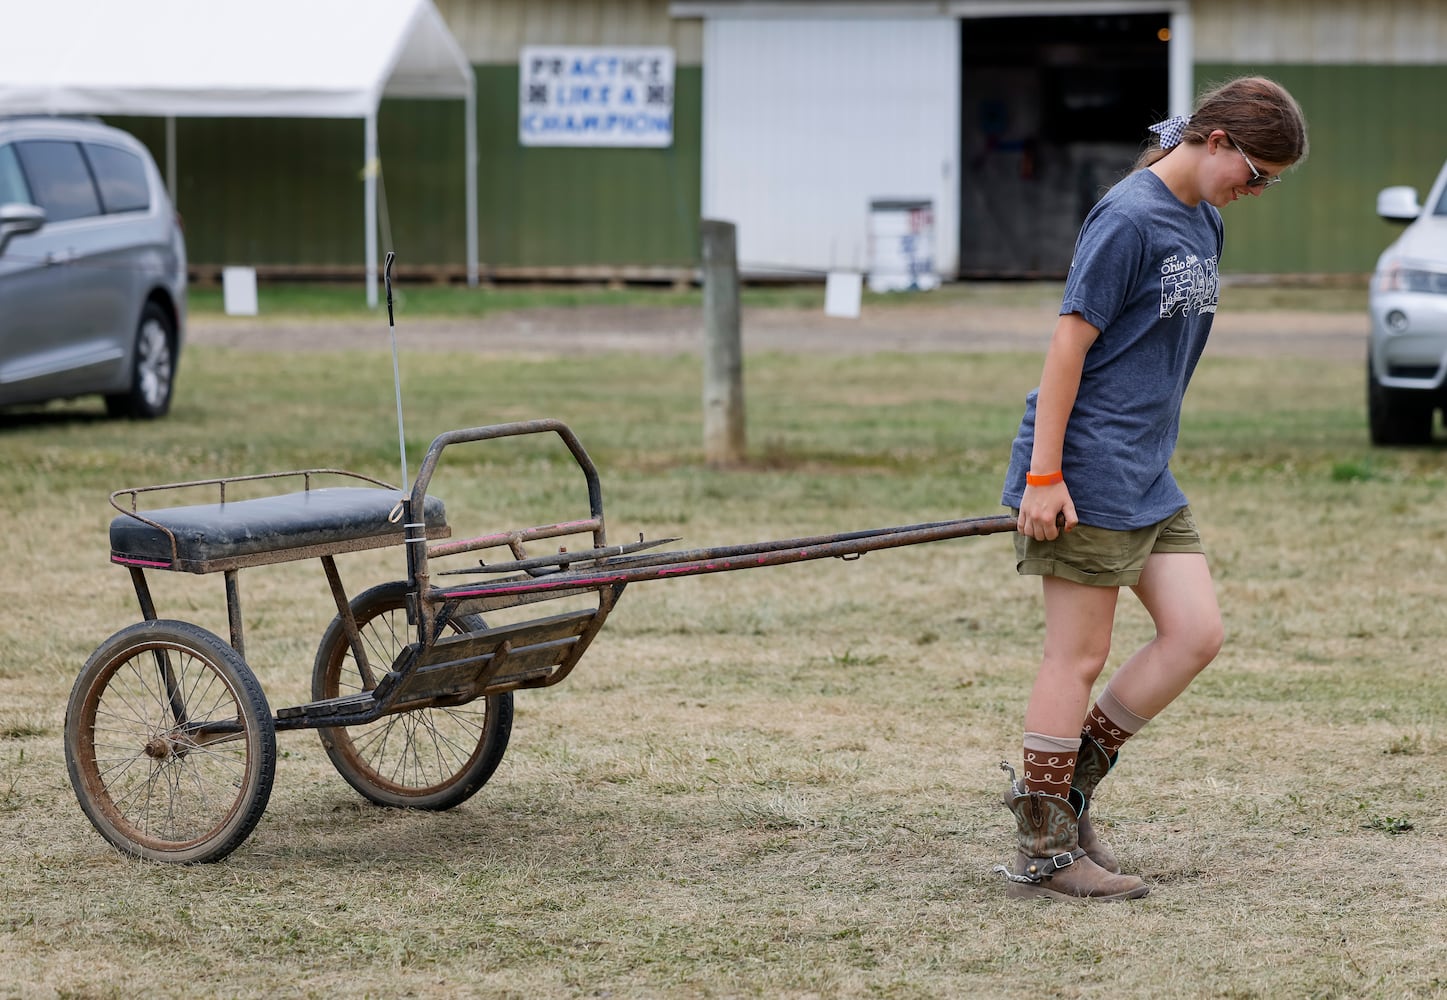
{"x": 1145, "y": 275}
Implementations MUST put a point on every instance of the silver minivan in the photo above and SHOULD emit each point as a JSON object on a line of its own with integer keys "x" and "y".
{"x": 92, "y": 268}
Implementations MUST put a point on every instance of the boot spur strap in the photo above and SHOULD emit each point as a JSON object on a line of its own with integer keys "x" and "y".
{"x": 1040, "y": 869}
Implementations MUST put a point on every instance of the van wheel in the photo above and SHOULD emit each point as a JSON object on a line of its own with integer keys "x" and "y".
{"x": 153, "y": 369}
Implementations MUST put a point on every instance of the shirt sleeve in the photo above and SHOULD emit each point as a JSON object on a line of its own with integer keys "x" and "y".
{"x": 1106, "y": 266}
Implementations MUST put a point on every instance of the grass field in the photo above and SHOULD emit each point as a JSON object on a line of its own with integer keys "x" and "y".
{"x": 777, "y": 783}
{"x": 345, "y": 300}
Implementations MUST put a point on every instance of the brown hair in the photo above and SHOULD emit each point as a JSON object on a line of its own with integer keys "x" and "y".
{"x": 1258, "y": 114}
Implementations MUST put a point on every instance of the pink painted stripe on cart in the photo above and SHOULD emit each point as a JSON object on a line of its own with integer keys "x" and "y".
{"x": 140, "y": 562}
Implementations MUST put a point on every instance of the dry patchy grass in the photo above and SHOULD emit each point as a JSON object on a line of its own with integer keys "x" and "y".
{"x": 777, "y": 783}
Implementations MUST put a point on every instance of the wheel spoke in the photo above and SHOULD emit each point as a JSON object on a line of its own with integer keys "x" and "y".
{"x": 153, "y": 364}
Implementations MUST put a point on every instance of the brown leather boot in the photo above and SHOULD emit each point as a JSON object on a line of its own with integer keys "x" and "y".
{"x": 1091, "y": 766}
{"x": 1050, "y": 862}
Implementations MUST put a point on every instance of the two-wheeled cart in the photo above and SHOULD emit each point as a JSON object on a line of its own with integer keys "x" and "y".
{"x": 170, "y": 740}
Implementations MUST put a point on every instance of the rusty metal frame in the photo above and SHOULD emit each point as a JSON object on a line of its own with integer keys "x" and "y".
{"x": 601, "y": 571}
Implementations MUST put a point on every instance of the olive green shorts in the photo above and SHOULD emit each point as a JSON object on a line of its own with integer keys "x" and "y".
{"x": 1104, "y": 558}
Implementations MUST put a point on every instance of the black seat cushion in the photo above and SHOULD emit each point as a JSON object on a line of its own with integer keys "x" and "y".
{"x": 208, "y": 533}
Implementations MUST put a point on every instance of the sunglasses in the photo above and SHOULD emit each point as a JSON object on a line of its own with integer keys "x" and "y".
{"x": 1258, "y": 181}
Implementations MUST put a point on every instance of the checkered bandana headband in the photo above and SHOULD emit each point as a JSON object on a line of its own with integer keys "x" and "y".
{"x": 1171, "y": 130}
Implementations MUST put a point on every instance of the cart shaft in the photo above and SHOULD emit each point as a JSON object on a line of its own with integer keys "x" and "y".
{"x": 666, "y": 565}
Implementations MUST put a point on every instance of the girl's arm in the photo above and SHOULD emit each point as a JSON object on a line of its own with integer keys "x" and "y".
{"x": 1059, "y": 382}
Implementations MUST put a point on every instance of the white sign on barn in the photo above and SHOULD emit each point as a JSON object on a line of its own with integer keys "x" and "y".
{"x": 570, "y": 95}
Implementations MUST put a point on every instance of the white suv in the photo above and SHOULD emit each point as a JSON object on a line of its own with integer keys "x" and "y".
{"x": 1407, "y": 358}
{"x": 92, "y": 268}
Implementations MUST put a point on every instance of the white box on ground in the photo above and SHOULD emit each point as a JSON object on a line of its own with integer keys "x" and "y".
{"x": 842, "y": 292}
{"x": 238, "y": 291}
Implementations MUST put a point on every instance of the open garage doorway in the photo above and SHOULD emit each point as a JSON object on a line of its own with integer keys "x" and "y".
{"x": 1054, "y": 111}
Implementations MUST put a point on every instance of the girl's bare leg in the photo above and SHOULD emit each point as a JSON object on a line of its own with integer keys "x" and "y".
{"x": 1050, "y": 858}
{"x": 1078, "y": 621}
{"x": 1177, "y": 592}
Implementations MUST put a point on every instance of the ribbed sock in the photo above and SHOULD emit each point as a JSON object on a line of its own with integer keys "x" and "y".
{"x": 1050, "y": 763}
{"x": 1110, "y": 723}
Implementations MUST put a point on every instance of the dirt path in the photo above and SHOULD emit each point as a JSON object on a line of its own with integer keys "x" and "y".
{"x": 552, "y": 332}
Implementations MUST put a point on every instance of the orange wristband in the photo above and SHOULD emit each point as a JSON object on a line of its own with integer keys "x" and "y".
{"x": 1047, "y": 479}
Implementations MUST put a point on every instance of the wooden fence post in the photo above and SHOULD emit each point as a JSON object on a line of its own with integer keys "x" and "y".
{"x": 723, "y": 362}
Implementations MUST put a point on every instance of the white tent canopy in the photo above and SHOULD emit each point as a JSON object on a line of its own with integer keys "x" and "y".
{"x": 258, "y": 59}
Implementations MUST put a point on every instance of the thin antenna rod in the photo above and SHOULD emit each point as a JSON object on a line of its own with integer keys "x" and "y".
{"x": 396, "y": 369}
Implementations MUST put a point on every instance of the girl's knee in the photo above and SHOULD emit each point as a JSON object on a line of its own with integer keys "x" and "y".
{"x": 1079, "y": 667}
{"x": 1204, "y": 642}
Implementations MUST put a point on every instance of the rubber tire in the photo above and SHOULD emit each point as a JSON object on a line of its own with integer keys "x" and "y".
{"x": 153, "y": 369}
{"x": 375, "y": 759}
{"x": 222, "y": 790}
{"x": 1395, "y": 418}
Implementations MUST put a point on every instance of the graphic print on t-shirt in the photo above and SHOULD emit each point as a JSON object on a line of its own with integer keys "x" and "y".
{"x": 1189, "y": 283}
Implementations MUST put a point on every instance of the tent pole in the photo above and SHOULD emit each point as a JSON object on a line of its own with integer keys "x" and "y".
{"x": 171, "y": 162}
{"x": 1179, "y": 55}
{"x": 369, "y": 185}
{"x": 470, "y": 133}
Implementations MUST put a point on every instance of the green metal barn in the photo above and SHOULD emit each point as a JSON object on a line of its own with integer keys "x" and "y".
{"x": 284, "y": 194}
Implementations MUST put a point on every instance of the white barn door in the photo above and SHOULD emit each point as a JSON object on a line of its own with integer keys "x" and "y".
{"x": 806, "y": 122}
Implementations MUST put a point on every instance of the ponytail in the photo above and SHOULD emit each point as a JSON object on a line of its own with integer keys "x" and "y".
{"x": 1258, "y": 114}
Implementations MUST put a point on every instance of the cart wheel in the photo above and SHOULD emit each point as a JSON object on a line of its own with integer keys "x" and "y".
{"x": 170, "y": 744}
{"x": 426, "y": 758}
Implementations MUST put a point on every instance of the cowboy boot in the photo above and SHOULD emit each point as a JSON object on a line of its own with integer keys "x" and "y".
{"x": 1091, "y": 766}
{"x": 1049, "y": 862}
